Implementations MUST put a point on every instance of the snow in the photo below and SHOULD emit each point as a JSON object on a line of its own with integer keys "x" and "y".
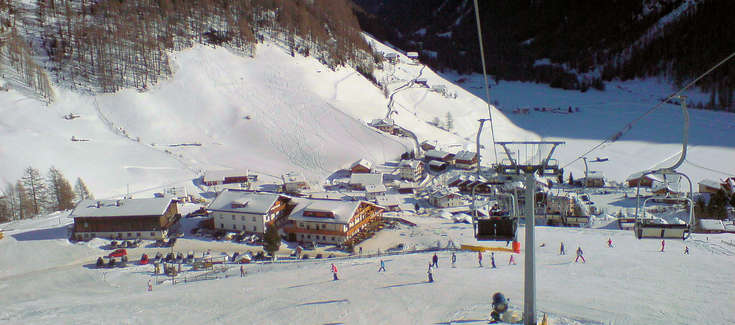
{"x": 45, "y": 279}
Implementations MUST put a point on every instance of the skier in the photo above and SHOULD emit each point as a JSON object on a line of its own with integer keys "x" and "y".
{"x": 360, "y": 250}
{"x": 561, "y": 249}
{"x": 663, "y": 244}
{"x": 334, "y": 272}
{"x": 242, "y": 271}
{"x": 435, "y": 259}
{"x": 150, "y": 285}
{"x": 431, "y": 277}
{"x": 454, "y": 259}
{"x": 479, "y": 258}
{"x": 382, "y": 266}
{"x": 609, "y": 242}
{"x": 512, "y": 260}
{"x": 686, "y": 250}
{"x": 579, "y": 254}
{"x": 492, "y": 259}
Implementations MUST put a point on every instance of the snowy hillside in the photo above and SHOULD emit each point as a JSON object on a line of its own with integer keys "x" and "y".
{"x": 271, "y": 114}
{"x": 44, "y": 279}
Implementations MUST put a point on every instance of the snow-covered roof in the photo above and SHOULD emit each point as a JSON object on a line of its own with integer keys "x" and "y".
{"x": 407, "y": 185}
{"x": 710, "y": 183}
{"x": 711, "y": 225}
{"x": 293, "y": 177}
{"x": 219, "y": 175}
{"x": 375, "y": 188}
{"x": 438, "y": 154}
{"x": 442, "y": 192}
{"x": 412, "y": 55}
{"x": 362, "y": 162}
{"x": 391, "y": 55}
{"x": 436, "y": 163}
{"x": 413, "y": 164}
{"x": 243, "y": 201}
{"x": 382, "y": 122}
{"x": 639, "y": 174}
{"x": 595, "y": 175}
{"x": 122, "y": 208}
{"x": 388, "y": 201}
{"x": 366, "y": 179}
{"x": 341, "y": 210}
{"x": 465, "y": 155}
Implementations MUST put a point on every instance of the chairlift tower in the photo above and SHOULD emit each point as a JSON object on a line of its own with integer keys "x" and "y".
{"x": 535, "y": 162}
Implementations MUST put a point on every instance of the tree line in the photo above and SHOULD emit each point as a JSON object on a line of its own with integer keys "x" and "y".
{"x": 35, "y": 194}
{"x": 108, "y": 45}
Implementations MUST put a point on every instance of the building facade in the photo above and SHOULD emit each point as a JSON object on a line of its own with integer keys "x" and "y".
{"x": 124, "y": 219}
{"x": 251, "y": 212}
{"x": 330, "y": 221}
{"x": 412, "y": 170}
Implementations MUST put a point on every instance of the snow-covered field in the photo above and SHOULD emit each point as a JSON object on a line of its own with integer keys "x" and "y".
{"x": 47, "y": 280}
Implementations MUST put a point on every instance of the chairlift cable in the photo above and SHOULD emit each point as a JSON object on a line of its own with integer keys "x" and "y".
{"x": 487, "y": 90}
{"x": 629, "y": 125}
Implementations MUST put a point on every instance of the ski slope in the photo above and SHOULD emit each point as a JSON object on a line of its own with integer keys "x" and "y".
{"x": 45, "y": 279}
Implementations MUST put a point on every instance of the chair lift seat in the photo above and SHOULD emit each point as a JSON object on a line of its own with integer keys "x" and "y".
{"x": 497, "y": 229}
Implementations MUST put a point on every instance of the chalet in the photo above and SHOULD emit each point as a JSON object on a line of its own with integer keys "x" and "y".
{"x": 374, "y": 191}
{"x": 361, "y": 166}
{"x": 391, "y": 57}
{"x": 439, "y": 155}
{"x": 124, "y": 219}
{"x": 662, "y": 189}
{"x": 220, "y": 177}
{"x": 426, "y": 145}
{"x": 386, "y": 125}
{"x": 238, "y": 210}
{"x": 465, "y": 159}
{"x": 709, "y": 186}
{"x": 595, "y": 179}
{"x": 294, "y": 183}
{"x": 412, "y": 170}
{"x": 407, "y": 188}
{"x": 444, "y": 198}
{"x": 389, "y": 202}
{"x": 729, "y": 185}
{"x": 647, "y": 181}
{"x": 438, "y": 166}
{"x": 330, "y": 221}
{"x": 361, "y": 181}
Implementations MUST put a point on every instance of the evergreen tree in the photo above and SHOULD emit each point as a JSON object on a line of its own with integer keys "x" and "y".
{"x": 61, "y": 195}
{"x": 35, "y": 188}
{"x": 450, "y": 121}
{"x": 272, "y": 240}
{"x": 81, "y": 190}
{"x": 571, "y": 179}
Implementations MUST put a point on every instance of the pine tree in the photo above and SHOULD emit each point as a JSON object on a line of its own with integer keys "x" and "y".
{"x": 450, "y": 121}
{"x": 61, "y": 195}
{"x": 571, "y": 179}
{"x": 272, "y": 240}
{"x": 35, "y": 188}
{"x": 81, "y": 191}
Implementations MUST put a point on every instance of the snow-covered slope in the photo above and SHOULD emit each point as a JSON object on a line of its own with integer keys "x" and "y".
{"x": 46, "y": 280}
{"x": 270, "y": 114}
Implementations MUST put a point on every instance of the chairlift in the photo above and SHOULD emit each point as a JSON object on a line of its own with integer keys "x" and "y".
{"x": 497, "y": 228}
{"x": 652, "y": 228}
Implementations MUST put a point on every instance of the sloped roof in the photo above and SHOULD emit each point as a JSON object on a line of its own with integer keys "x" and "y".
{"x": 375, "y": 188}
{"x": 342, "y": 210}
{"x": 293, "y": 177}
{"x": 126, "y": 207}
{"x": 437, "y": 154}
{"x": 245, "y": 202}
{"x": 711, "y": 224}
{"x": 366, "y": 179}
{"x": 465, "y": 155}
{"x": 710, "y": 183}
{"x": 413, "y": 164}
{"x": 362, "y": 162}
{"x": 219, "y": 175}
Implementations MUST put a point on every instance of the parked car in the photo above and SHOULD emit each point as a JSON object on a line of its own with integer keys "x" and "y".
{"x": 118, "y": 253}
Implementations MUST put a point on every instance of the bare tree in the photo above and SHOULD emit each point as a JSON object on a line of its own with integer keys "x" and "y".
{"x": 81, "y": 190}
{"x": 61, "y": 195}
{"x": 35, "y": 188}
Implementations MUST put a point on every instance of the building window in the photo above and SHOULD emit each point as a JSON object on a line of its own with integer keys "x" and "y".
{"x": 222, "y": 225}
{"x": 86, "y": 225}
{"x": 130, "y": 235}
{"x": 137, "y": 234}
{"x": 308, "y": 236}
{"x": 153, "y": 233}
{"x": 324, "y": 237}
{"x": 253, "y": 228}
{"x": 301, "y": 225}
{"x": 233, "y": 217}
{"x": 253, "y": 219}
{"x": 242, "y": 218}
{"x": 332, "y": 238}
